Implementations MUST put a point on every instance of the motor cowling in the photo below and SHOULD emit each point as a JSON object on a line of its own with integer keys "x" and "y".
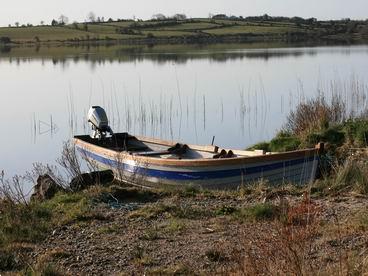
{"x": 100, "y": 124}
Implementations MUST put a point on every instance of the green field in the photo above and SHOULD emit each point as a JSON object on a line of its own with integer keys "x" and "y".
{"x": 252, "y": 30}
{"x": 138, "y": 30}
{"x": 27, "y": 34}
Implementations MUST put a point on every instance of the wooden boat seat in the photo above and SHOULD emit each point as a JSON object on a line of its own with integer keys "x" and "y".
{"x": 152, "y": 153}
{"x": 178, "y": 149}
{"x": 136, "y": 148}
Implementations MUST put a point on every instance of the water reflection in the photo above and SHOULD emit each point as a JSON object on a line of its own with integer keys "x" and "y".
{"x": 240, "y": 95}
{"x": 164, "y": 54}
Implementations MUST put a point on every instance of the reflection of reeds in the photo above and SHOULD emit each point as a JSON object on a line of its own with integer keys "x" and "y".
{"x": 204, "y": 112}
{"x": 253, "y": 109}
{"x": 73, "y": 122}
{"x": 195, "y": 109}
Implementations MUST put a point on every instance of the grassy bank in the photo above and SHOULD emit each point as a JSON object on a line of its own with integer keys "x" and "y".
{"x": 120, "y": 229}
{"x": 258, "y": 229}
{"x": 199, "y": 30}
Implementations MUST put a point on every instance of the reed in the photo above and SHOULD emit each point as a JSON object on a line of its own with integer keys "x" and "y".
{"x": 333, "y": 104}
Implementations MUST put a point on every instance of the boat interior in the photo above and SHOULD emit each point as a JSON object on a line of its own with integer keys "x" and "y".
{"x": 155, "y": 148}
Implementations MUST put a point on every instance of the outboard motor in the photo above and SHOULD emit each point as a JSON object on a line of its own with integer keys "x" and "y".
{"x": 100, "y": 124}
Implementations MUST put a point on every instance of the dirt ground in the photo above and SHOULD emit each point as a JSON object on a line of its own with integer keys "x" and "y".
{"x": 212, "y": 234}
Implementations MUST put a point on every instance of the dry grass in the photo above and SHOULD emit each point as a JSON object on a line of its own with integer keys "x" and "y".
{"x": 315, "y": 115}
{"x": 289, "y": 244}
{"x": 283, "y": 247}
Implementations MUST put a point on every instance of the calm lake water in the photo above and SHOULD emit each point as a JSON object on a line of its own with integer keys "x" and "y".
{"x": 239, "y": 94}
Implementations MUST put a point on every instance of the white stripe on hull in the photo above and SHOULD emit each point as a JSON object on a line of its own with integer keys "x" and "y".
{"x": 298, "y": 174}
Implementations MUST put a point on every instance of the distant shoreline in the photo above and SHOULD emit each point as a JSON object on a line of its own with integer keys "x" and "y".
{"x": 188, "y": 31}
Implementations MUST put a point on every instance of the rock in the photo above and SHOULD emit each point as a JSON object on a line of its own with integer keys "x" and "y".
{"x": 86, "y": 180}
{"x": 46, "y": 188}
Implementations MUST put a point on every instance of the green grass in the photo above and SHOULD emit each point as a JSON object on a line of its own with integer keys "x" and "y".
{"x": 349, "y": 133}
{"x": 7, "y": 260}
{"x": 110, "y": 229}
{"x": 260, "y": 146}
{"x": 20, "y": 223}
{"x": 24, "y": 223}
{"x": 281, "y": 143}
{"x": 352, "y": 175}
{"x": 50, "y": 270}
{"x": 99, "y": 29}
{"x": 251, "y": 30}
{"x": 156, "y": 210}
{"x": 43, "y": 33}
{"x": 142, "y": 29}
{"x": 169, "y": 29}
{"x": 190, "y": 27}
{"x": 119, "y": 24}
{"x": 151, "y": 233}
{"x": 225, "y": 210}
{"x": 165, "y": 33}
{"x": 174, "y": 225}
{"x": 284, "y": 142}
{"x": 31, "y": 223}
{"x": 257, "y": 212}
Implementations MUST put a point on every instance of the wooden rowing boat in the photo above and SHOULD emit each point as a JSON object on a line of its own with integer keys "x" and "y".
{"x": 153, "y": 162}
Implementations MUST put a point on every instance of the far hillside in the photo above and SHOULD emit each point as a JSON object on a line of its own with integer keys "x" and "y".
{"x": 219, "y": 28}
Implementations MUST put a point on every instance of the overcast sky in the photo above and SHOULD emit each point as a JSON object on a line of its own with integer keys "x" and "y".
{"x": 33, "y": 11}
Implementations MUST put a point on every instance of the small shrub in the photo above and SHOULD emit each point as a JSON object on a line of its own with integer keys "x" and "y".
{"x": 21, "y": 223}
{"x": 225, "y": 210}
{"x": 333, "y": 136}
{"x": 260, "y": 146}
{"x": 32, "y": 222}
{"x": 150, "y": 35}
{"x": 313, "y": 138}
{"x": 257, "y": 212}
{"x": 67, "y": 208}
{"x": 362, "y": 137}
{"x": 50, "y": 270}
{"x": 114, "y": 228}
{"x": 361, "y": 220}
{"x": 5, "y": 40}
{"x": 138, "y": 252}
{"x": 215, "y": 255}
{"x": 320, "y": 187}
{"x": 175, "y": 225}
{"x": 284, "y": 143}
{"x": 190, "y": 191}
{"x": 7, "y": 260}
{"x": 351, "y": 176}
{"x": 356, "y": 131}
{"x": 188, "y": 212}
{"x": 151, "y": 211}
{"x": 151, "y": 234}
{"x": 316, "y": 114}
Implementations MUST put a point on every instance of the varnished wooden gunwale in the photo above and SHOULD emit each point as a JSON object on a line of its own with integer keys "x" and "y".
{"x": 242, "y": 160}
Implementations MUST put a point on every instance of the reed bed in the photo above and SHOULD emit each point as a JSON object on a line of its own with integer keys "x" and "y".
{"x": 196, "y": 116}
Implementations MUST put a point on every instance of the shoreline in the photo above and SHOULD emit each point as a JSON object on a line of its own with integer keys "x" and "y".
{"x": 188, "y": 31}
